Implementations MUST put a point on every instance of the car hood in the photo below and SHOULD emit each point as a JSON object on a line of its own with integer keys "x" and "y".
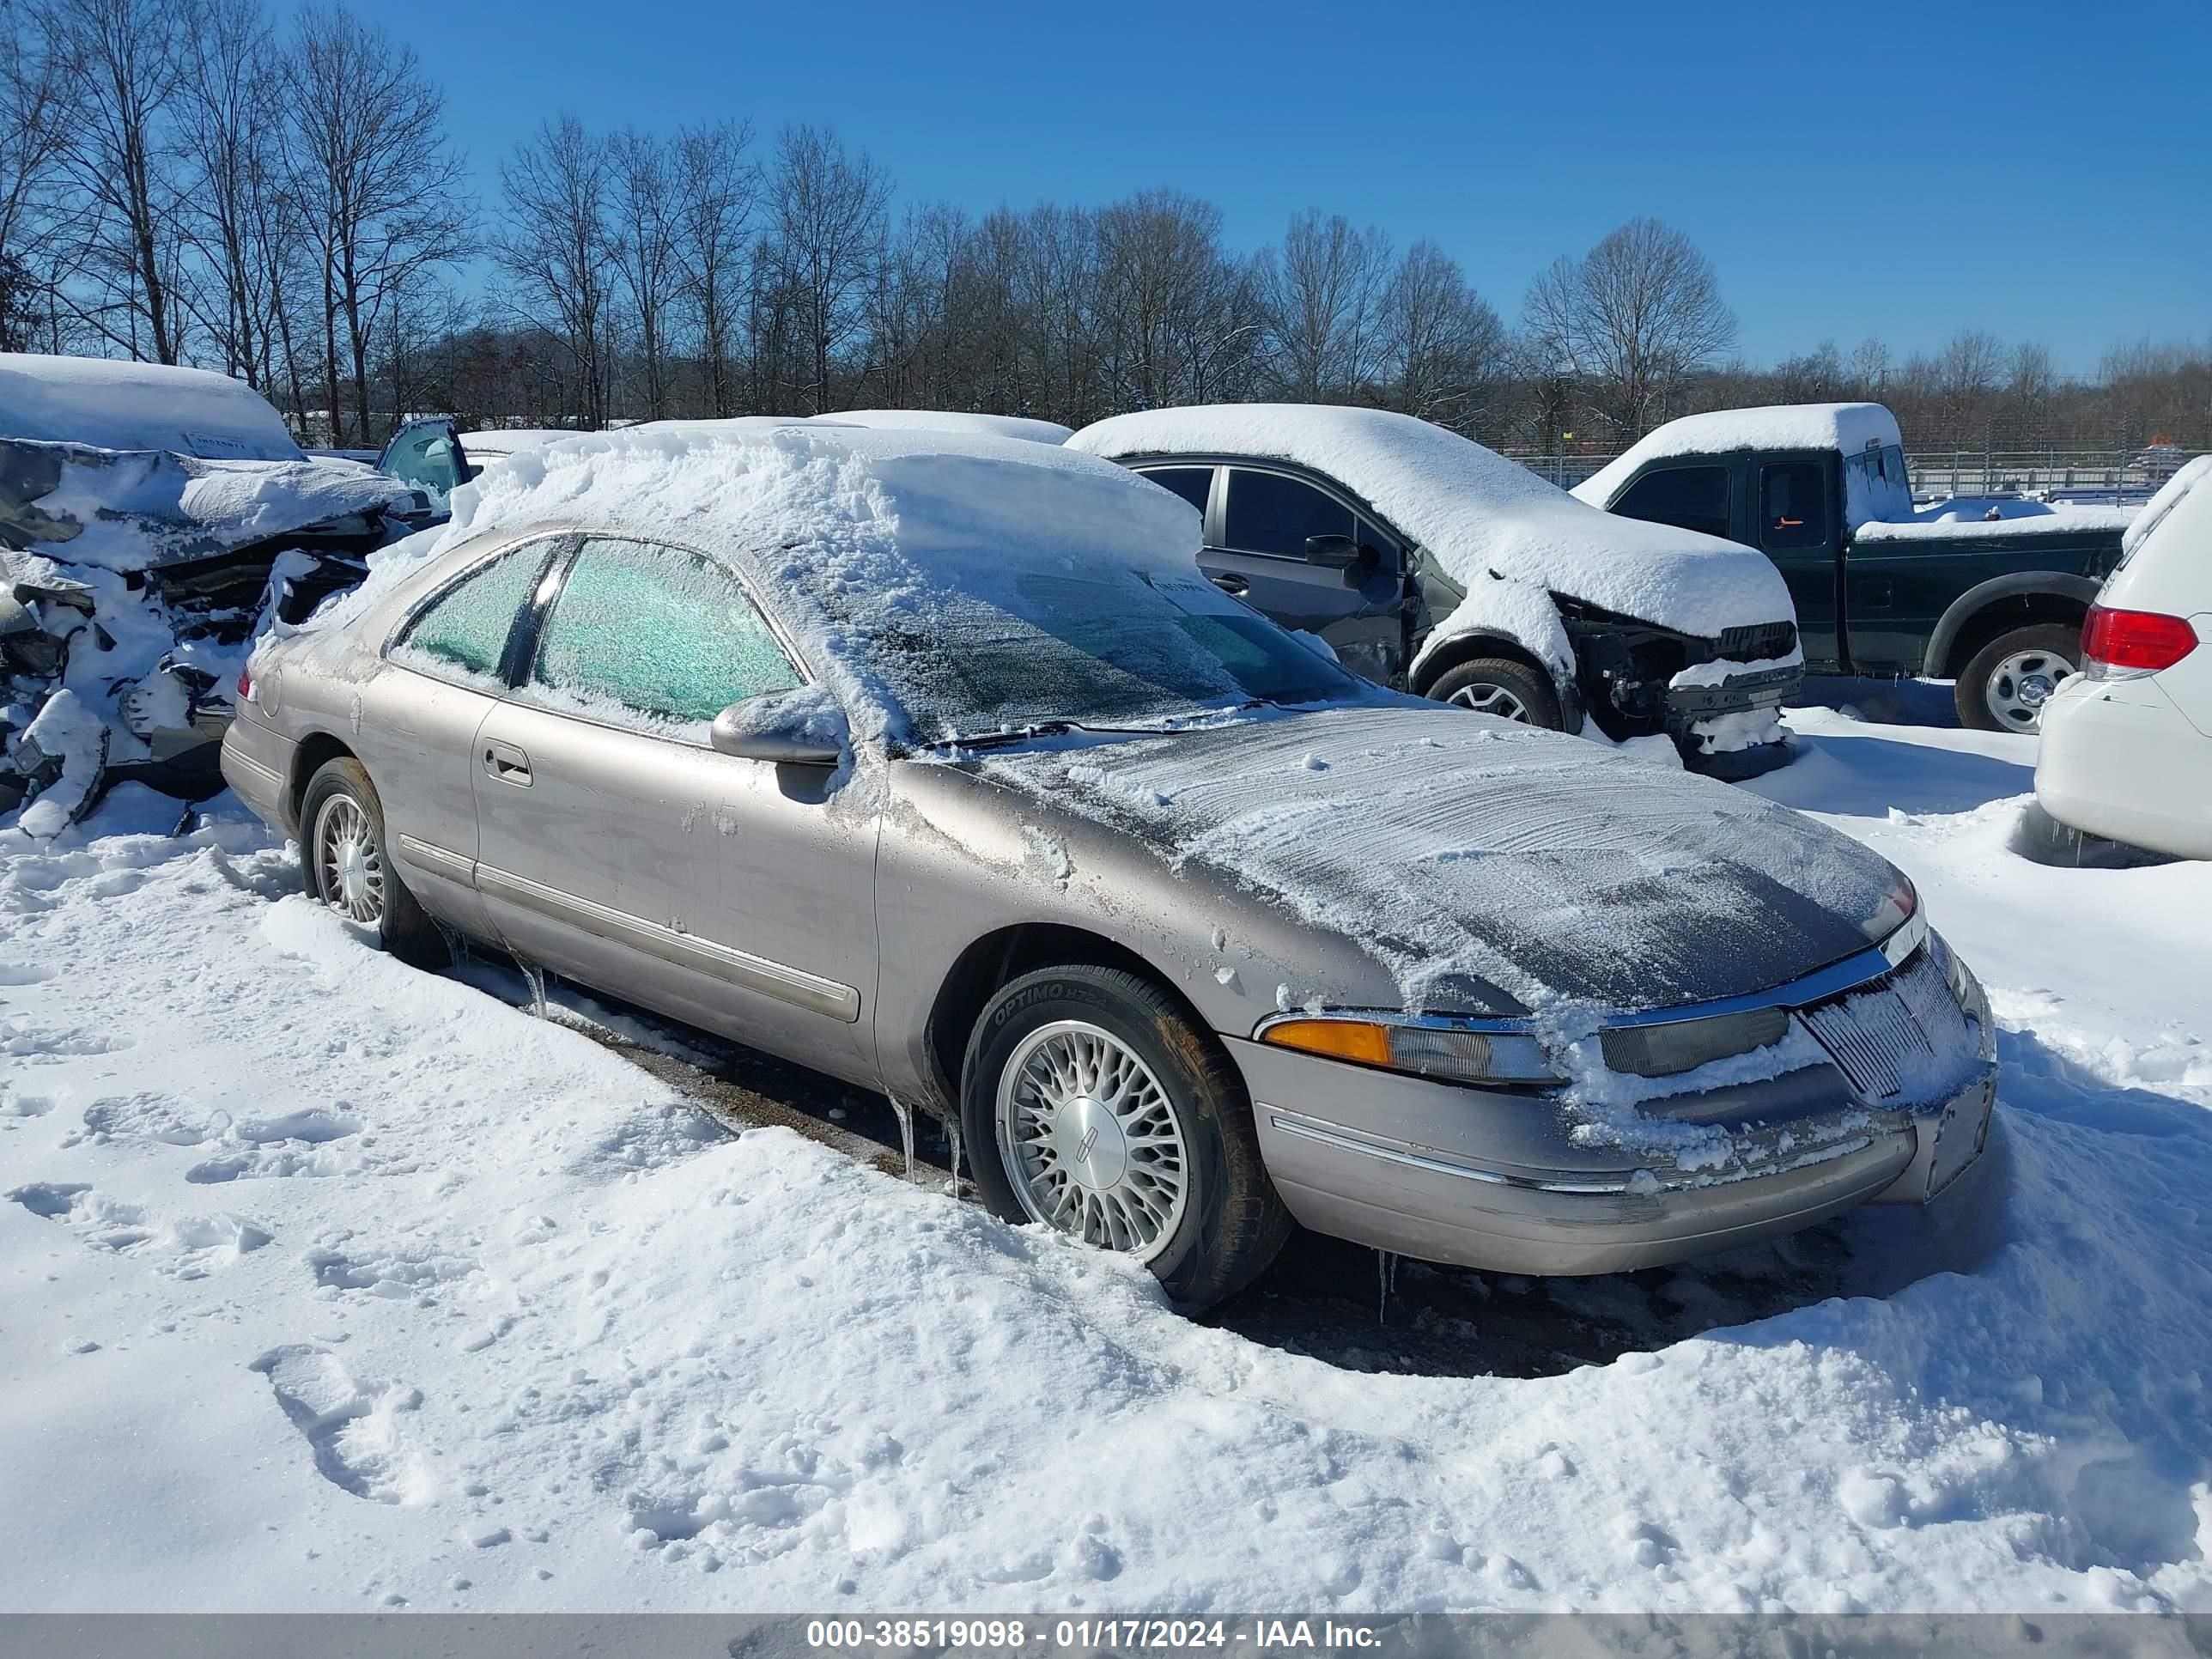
{"x": 1483, "y": 865}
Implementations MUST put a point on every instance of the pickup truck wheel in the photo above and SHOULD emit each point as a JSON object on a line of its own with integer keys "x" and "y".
{"x": 2005, "y": 684}
{"x": 1499, "y": 685}
{"x": 1097, "y": 1107}
{"x": 345, "y": 857}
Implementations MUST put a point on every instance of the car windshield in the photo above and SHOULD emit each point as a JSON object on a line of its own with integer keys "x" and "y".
{"x": 1117, "y": 649}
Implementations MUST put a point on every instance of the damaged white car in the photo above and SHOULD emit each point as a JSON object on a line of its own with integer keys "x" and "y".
{"x": 1432, "y": 565}
{"x": 154, "y": 521}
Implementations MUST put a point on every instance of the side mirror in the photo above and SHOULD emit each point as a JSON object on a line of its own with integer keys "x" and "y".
{"x": 802, "y": 727}
{"x": 1336, "y": 552}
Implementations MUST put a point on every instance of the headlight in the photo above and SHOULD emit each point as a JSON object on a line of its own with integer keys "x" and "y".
{"x": 1965, "y": 988}
{"x": 1897, "y": 924}
{"x": 1451, "y": 1054}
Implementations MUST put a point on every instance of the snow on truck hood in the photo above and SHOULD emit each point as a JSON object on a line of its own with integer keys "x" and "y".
{"x": 1452, "y": 848}
{"x": 1848, "y": 428}
{"x": 1483, "y": 517}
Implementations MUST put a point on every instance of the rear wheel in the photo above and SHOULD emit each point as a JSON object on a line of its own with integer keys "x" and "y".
{"x": 1500, "y": 685}
{"x": 346, "y": 863}
{"x": 2004, "y": 685}
{"x": 1097, "y": 1108}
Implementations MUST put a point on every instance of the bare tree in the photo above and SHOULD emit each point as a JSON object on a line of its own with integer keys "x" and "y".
{"x": 32, "y": 127}
{"x": 826, "y": 210}
{"x": 1322, "y": 290}
{"x": 644, "y": 232}
{"x": 555, "y": 251}
{"x": 379, "y": 188}
{"x": 121, "y": 63}
{"x": 1177, "y": 317}
{"x": 1444, "y": 345}
{"x": 715, "y": 192}
{"x": 1630, "y": 318}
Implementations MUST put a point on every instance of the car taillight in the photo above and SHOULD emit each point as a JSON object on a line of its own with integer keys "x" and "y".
{"x": 2141, "y": 641}
{"x": 245, "y": 685}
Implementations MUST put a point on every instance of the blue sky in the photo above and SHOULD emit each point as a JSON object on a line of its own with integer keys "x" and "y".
{"x": 1901, "y": 171}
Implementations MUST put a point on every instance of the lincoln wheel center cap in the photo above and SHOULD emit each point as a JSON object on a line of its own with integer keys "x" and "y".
{"x": 353, "y": 873}
{"x": 1090, "y": 1143}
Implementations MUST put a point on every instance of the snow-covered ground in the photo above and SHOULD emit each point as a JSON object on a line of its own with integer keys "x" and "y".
{"x": 325, "y": 1284}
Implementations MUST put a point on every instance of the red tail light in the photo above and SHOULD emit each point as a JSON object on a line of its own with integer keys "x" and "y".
{"x": 245, "y": 685}
{"x": 2145, "y": 641}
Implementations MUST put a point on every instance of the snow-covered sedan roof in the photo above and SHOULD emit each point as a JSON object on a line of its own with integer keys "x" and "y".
{"x": 113, "y": 404}
{"x": 1488, "y": 521}
{"x": 953, "y": 420}
{"x": 1846, "y": 427}
{"x": 894, "y": 553}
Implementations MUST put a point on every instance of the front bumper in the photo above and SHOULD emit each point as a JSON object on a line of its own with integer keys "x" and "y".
{"x": 1707, "y": 721}
{"x": 1494, "y": 1180}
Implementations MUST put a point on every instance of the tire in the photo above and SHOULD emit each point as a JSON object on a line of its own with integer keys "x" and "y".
{"x": 2004, "y": 686}
{"x": 341, "y": 805}
{"x": 1500, "y": 685}
{"x": 1226, "y": 1225}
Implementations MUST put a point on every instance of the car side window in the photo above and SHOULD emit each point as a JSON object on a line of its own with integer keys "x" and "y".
{"x": 463, "y": 633}
{"x": 1193, "y": 483}
{"x": 658, "y": 632}
{"x": 1690, "y": 497}
{"x": 1793, "y": 506}
{"x": 426, "y": 460}
{"x": 1273, "y": 514}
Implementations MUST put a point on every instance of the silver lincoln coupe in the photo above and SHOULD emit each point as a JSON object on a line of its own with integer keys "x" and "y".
{"x": 932, "y": 762}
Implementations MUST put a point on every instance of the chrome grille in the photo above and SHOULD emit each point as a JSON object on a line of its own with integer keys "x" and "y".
{"x": 1757, "y": 641}
{"x": 1881, "y": 1035}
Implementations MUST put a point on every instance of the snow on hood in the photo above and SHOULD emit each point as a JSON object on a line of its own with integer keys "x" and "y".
{"x": 1484, "y": 518}
{"x": 878, "y": 546}
{"x": 126, "y": 405}
{"x": 1847, "y": 429}
{"x": 951, "y": 420}
{"x": 1461, "y": 853}
{"x": 134, "y": 510}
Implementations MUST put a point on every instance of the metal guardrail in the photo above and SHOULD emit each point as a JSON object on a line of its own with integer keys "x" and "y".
{"x": 2119, "y": 476}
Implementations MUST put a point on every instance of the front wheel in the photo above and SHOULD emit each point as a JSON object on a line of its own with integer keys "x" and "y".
{"x": 2004, "y": 685}
{"x": 346, "y": 863}
{"x": 1500, "y": 685}
{"x": 1097, "y": 1108}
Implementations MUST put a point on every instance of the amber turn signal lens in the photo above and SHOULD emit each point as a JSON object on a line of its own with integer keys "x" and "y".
{"x": 1340, "y": 1039}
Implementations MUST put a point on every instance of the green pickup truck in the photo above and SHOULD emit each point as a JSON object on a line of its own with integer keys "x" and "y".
{"x": 1987, "y": 592}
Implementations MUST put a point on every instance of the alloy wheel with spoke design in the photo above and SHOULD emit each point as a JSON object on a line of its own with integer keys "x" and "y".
{"x": 1091, "y": 1143}
{"x": 349, "y": 862}
{"x": 2021, "y": 684}
{"x": 1491, "y": 699}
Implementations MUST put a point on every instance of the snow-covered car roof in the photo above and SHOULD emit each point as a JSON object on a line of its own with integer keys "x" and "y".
{"x": 973, "y": 545}
{"x": 114, "y": 404}
{"x": 1846, "y": 427}
{"x": 953, "y": 420}
{"x": 1488, "y": 519}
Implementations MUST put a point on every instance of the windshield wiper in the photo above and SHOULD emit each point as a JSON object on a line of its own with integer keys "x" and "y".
{"x": 1006, "y": 738}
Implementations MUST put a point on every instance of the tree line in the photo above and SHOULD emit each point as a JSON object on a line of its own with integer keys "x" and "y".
{"x": 279, "y": 198}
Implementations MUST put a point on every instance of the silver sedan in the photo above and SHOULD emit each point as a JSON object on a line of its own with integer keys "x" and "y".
{"x": 934, "y": 765}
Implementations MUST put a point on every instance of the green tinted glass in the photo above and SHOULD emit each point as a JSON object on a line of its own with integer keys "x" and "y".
{"x": 663, "y": 632}
{"x": 468, "y": 626}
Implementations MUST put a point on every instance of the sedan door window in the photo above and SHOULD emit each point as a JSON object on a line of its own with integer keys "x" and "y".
{"x": 462, "y": 634}
{"x": 1194, "y": 483}
{"x": 657, "y": 632}
{"x": 1273, "y": 514}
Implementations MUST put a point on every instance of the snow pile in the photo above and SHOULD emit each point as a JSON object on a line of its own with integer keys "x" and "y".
{"x": 2009, "y": 516}
{"x": 125, "y": 405}
{"x": 1847, "y": 429}
{"x": 951, "y": 420}
{"x": 937, "y": 580}
{"x": 296, "y": 1320}
{"x": 1493, "y": 525}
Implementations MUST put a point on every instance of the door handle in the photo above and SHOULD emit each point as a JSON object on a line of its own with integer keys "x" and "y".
{"x": 1236, "y": 585}
{"x": 507, "y": 763}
